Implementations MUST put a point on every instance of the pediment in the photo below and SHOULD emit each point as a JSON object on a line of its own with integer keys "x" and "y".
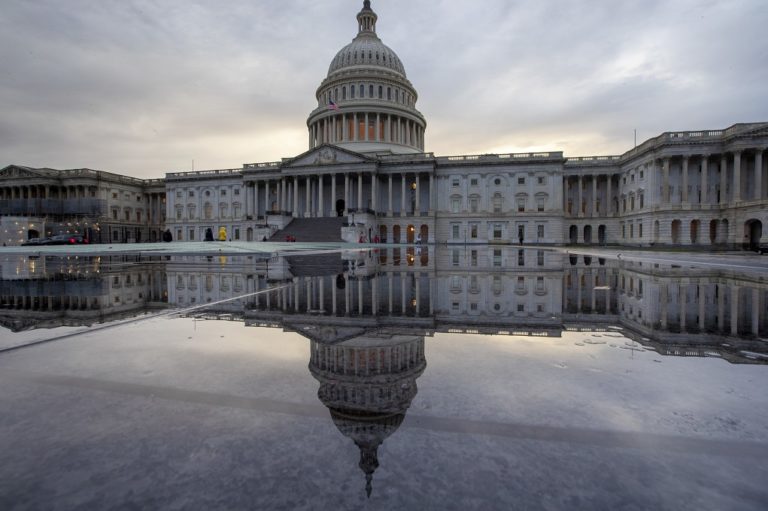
{"x": 326, "y": 334}
{"x": 17, "y": 171}
{"x": 327, "y": 155}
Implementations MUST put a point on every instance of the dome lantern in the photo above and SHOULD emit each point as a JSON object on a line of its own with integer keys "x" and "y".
{"x": 366, "y": 19}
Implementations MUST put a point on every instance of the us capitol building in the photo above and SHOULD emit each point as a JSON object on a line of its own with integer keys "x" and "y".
{"x": 366, "y": 176}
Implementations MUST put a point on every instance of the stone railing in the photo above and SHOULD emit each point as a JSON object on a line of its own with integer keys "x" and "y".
{"x": 204, "y": 173}
{"x": 593, "y": 160}
{"x": 501, "y": 157}
{"x": 272, "y": 165}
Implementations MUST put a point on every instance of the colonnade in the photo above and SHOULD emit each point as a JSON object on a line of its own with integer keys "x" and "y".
{"x": 317, "y": 196}
{"x": 383, "y": 294}
{"x": 366, "y": 127}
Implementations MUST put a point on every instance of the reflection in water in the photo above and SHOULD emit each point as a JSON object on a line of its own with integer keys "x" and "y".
{"x": 367, "y": 382}
{"x": 366, "y": 314}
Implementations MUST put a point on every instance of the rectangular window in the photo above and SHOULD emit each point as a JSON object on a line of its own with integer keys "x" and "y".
{"x": 473, "y": 306}
{"x": 473, "y": 231}
{"x": 455, "y": 257}
{"x": 237, "y": 191}
{"x": 641, "y": 174}
{"x": 237, "y": 234}
{"x": 521, "y": 257}
{"x": 521, "y": 283}
{"x": 191, "y": 193}
{"x": 497, "y": 258}
{"x": 473, "y": 284}
{"x": 138, "y": 216}
{"x": 473, "y": 182}
{"x": 473, "y": 205}
{"x": 455, "y": 306}
{"x": 497, "y": 231}
{"x": 540, "y": 231}
{"x": 191, "y": 235}
{"x": 178, "y": 194}
{"x": 539, "y": 283}
{"x": 521, "y": 180}
{"x": 521, "y": 205}
{"x": 520, "y": 307}
{"x": 540, "y": 204}
{"x": 223, "y": 193}
{"x": 540, "y": 258}
{"x": 473, "y": 260}
{"x": 455, "y": 205}
{"x": 639, "y": 230}
{"x": 455, "y": 231}
{"x": 542, "y": 180}
{"x": 455, "y": 183}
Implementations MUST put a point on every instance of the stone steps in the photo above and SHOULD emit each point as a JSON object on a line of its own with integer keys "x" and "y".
{"x": 312, "y": 229}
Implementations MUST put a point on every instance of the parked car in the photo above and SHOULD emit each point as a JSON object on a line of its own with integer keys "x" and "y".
{"x": 67, "y": 239}
{"x": 34, "y": 242}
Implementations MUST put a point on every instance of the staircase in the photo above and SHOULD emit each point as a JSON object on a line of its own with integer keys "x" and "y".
{"x": 312, "y": 229}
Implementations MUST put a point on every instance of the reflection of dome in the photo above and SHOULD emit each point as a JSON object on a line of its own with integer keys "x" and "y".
{"x": 368, "y": 383}
{"x": 374, "y": 103}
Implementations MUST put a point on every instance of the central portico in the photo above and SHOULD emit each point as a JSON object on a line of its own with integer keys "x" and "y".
{"x": 387, "y": 196}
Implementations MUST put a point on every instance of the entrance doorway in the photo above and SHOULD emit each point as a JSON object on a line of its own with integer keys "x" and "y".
{"x": 753, "y": 231}
{"x": 573, "y": 235}
{"x": 340, "y": 207}
{"x": 588, "y": 234}
{"x": 601, "y": 235}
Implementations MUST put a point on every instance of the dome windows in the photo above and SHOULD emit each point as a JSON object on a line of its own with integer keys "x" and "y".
{"x": 370, "y": 91}
{"x": 344, "y": 92}
{"x": 362, "y": 91}
{"x": 381, "y": 92}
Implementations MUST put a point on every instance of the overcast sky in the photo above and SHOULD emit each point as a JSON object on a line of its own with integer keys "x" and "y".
{"x": 143, "y": 87}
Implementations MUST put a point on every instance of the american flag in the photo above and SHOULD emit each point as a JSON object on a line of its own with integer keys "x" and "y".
{"x": 332, "y": 106}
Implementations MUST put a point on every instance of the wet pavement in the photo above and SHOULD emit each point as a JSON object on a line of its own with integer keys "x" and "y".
{"x": 414, "y": 378}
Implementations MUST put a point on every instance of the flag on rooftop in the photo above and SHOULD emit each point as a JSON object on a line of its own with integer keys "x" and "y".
{"x": 332, "y": 106}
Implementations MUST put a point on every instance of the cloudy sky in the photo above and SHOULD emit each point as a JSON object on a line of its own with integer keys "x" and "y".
{"x": 144, "y": 87}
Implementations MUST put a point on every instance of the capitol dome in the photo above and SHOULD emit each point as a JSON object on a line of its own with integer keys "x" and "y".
{"x": 366, "y": 103}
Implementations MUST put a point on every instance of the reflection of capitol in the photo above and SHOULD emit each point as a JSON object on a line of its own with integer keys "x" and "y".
{"x": 500, "y": 290}
{"x": 367, "y": 382}
{"x": 48, "y": 292}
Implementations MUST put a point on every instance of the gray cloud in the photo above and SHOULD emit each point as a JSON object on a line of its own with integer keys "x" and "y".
{"x": 145, "y": 86}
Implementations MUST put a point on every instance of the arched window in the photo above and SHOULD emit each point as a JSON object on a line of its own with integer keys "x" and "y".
{"x": 389, "y": 93}
{"x": 344, "y": 92}
{"x": 362, "y": 90}
{"x": 208, "y": 211}
{"x": 381, "y": 91}
{"x": 352, "y": 91}
{"x": 370, "y": 91}
{"x": 336, "y": 94}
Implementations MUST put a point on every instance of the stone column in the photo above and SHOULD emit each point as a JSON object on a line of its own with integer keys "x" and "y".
{"x": 579, "y": 197}
{"x": 595, "y": 211}
{"x": 736, "y": 177}
{"x": 374, "y": 193}
{"x": 389, "y": 210}
{"x": 755, "y": 311}
{"x": 359, "y": 191}
{"x": 255, "y": 200}
{"x": 346, "y": 194}
{"x": 390, "y": 282}
{"x": 296, "y": 197}
{"x": 356, "y": 128}
{"x": 665, "y": 181}
{"x": 388, "y": 134}
{"x": 702, "y": 307}
{"x": 609, "y": 208}
{"x": 758, "y": 194}
{"x": 418, "y": 195}
{"x": 378, "y": 127}
{"x": 685, "y": 179}
{"x": 720, "y": 307}
{"x": 266, "y": 198}
{"x": 308, "y": 204}
{"x": 682, "y": 296}
{"x": 333, "y": 195}
{"x": 664, "y": 304}
{"x": 320, "y": 208}
{"x": 403, "y": 211}
{"x": 723, "y": 179}
{"x": 704, "y": 178}
{"x": 734, "y": 310}
{"x": 333, "y": 127}
{"x": 365, "y": 132}
{"x": 579, "y": 290}
{"x": 431, "y": 194}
